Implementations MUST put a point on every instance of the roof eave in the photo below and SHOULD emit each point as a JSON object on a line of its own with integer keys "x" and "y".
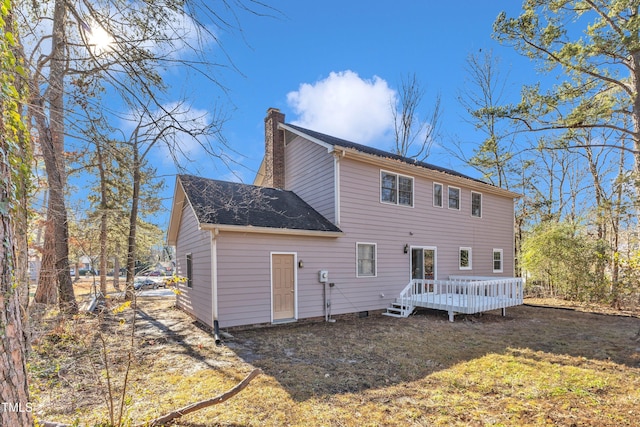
{"x": 175, "y": 216}
{"x": 260, "y": 175}
{"x": 270, "y": 230}
{"x": 328, "y": 146}
{"x": 426, "y": 172}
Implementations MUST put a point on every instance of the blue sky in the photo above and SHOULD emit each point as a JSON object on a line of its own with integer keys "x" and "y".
{"x": 332, "y": 66}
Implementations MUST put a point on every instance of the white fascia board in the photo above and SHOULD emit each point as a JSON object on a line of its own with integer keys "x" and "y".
{"x": 269, "y": 230}
{"x": 329, "y": 147}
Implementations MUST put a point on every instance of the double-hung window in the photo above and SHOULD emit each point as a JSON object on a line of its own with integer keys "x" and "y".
{"x": 437, "y": 195}
{"x": 189, "y": 270}
{"x": 465, "y": 259}
{"x": 396, "y": 189}
{"x": 454, "y": 198}
{"x": 366, "y": 259}
{"x": 497, "y": 261}
{"x": 476, "y": 204}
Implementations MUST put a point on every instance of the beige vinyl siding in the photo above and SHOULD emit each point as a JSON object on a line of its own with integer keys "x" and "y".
{"x": 195, "y": 300}
{"x": 244, "y": 259}
{"x": 244, "y": 287}
{"x": 244, "y": 275}
{"x": 364, "y": 217}
{"x": 310, "y": 174}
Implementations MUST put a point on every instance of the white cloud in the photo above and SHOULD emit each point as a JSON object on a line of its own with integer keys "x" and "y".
{"x": 346, "y": 106}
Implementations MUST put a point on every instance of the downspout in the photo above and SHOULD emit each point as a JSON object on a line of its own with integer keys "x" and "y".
{"x": 214, "y": 284}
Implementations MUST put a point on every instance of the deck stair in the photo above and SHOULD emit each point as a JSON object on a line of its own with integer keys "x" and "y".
{"x": 402, "y": 306}
{"x": 399, "y": 309}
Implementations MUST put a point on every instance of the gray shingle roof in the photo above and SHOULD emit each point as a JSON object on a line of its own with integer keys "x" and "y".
{"x": 230, "y": 203}
{"x": 332, "y": 140}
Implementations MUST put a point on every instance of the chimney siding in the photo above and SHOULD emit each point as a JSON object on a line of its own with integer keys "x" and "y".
{"x": 274, "y": 149}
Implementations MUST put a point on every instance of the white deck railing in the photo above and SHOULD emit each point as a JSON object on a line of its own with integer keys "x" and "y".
{"x": 463, "y": 294}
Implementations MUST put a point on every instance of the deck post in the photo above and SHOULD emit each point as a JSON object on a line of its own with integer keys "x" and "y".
{"x": 451, "y": 315}
{"x": 504, "y": 311}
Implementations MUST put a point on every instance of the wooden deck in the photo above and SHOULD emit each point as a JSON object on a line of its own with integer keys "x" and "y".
{"x": 459, "y": 294}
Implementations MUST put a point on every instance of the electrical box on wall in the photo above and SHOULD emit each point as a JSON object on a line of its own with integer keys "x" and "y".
{"x": 323, "y": 276}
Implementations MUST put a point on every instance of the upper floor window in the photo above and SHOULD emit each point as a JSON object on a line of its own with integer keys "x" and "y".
{"x": 476, "y": 204}
{"x": 396, "y": 189}
{"x": 454, "y": 198}
{"x": 497, "y": 261}
{"x": 437, "y": 195}
{"x": 366, "y": 259}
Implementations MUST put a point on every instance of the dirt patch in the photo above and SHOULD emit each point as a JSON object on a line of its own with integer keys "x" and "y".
{"x": 536, "y": 366}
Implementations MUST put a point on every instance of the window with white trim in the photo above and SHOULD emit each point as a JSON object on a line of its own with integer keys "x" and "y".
{"x": 189, "y": 270}
{"x": 497, "y": 260}
{"x": 464, "y": 259}
{"x": 454, "y": 198}
{"x": 366, "y": 259}
{"x": 437, "y": 195}
{"x": 396, "y": 189}
{"x": 476, "y": 204}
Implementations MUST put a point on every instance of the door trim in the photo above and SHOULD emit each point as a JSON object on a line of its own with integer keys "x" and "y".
{"x": 295, "y": 285}
{"x": 435, "y": 259}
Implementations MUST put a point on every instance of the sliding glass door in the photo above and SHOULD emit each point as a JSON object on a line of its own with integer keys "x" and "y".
{"x": 423, "y": 263}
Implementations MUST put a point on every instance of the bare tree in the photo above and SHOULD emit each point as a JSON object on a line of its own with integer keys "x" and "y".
{"x": 138, "y": 42}
{"x": 484, "y": 99}
{"x": 414, "y": 135}
{"x": 167, "y": 127}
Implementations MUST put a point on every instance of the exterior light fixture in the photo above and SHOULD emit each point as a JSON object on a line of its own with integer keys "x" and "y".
{"x": 406, "y": 248}
{"x": 301, "y": 264}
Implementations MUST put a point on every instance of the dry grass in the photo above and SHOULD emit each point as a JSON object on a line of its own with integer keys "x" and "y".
{"x": 538, "y": 366}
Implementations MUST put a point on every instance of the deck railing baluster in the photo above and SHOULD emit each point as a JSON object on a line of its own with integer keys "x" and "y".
{"x": 462, "y": 294}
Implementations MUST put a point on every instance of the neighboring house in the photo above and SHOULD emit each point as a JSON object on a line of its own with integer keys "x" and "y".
{"x": 369, "y": 220}
{"x": 164, "y": 267}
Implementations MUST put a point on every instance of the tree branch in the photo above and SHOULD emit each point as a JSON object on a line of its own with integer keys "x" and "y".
{"x": 165, "y": 419}
{"x": 203, "y": 403}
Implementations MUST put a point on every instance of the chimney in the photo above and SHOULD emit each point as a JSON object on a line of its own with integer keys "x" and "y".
{"x": 274, "y": 149}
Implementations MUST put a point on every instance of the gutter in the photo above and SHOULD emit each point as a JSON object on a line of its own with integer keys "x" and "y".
{"x": 270, "y": 230}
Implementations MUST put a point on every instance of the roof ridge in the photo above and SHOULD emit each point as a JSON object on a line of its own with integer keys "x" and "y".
{"x": 202, "y": 178}
{"x": 333, "y": 140}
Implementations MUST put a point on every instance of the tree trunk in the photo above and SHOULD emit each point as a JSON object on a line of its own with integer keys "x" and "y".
{"x": 133, "y": 220}
{"x": 56, "y": 237}
{"x": 52, "y": 143}
{"x": 615, "y": 229}
{"x": 634, "y": 62}
{"x": 21, "y": 227}
{"x": 636, "y": 177}
{"x": 103, "y": 221}
{"x": 600, "y": 267}
{"x": 14, "y": 390}
{"x": 47, "y": 292}
{"x": 58, "y": 220}
{"x": 116, "y": 268}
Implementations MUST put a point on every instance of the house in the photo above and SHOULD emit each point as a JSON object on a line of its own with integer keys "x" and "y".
{"x": 330, "y": 227}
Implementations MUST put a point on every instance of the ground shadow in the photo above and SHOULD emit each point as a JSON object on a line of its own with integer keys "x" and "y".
{"x": 356, "y": 354}
{"x": 152, "y": 332}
